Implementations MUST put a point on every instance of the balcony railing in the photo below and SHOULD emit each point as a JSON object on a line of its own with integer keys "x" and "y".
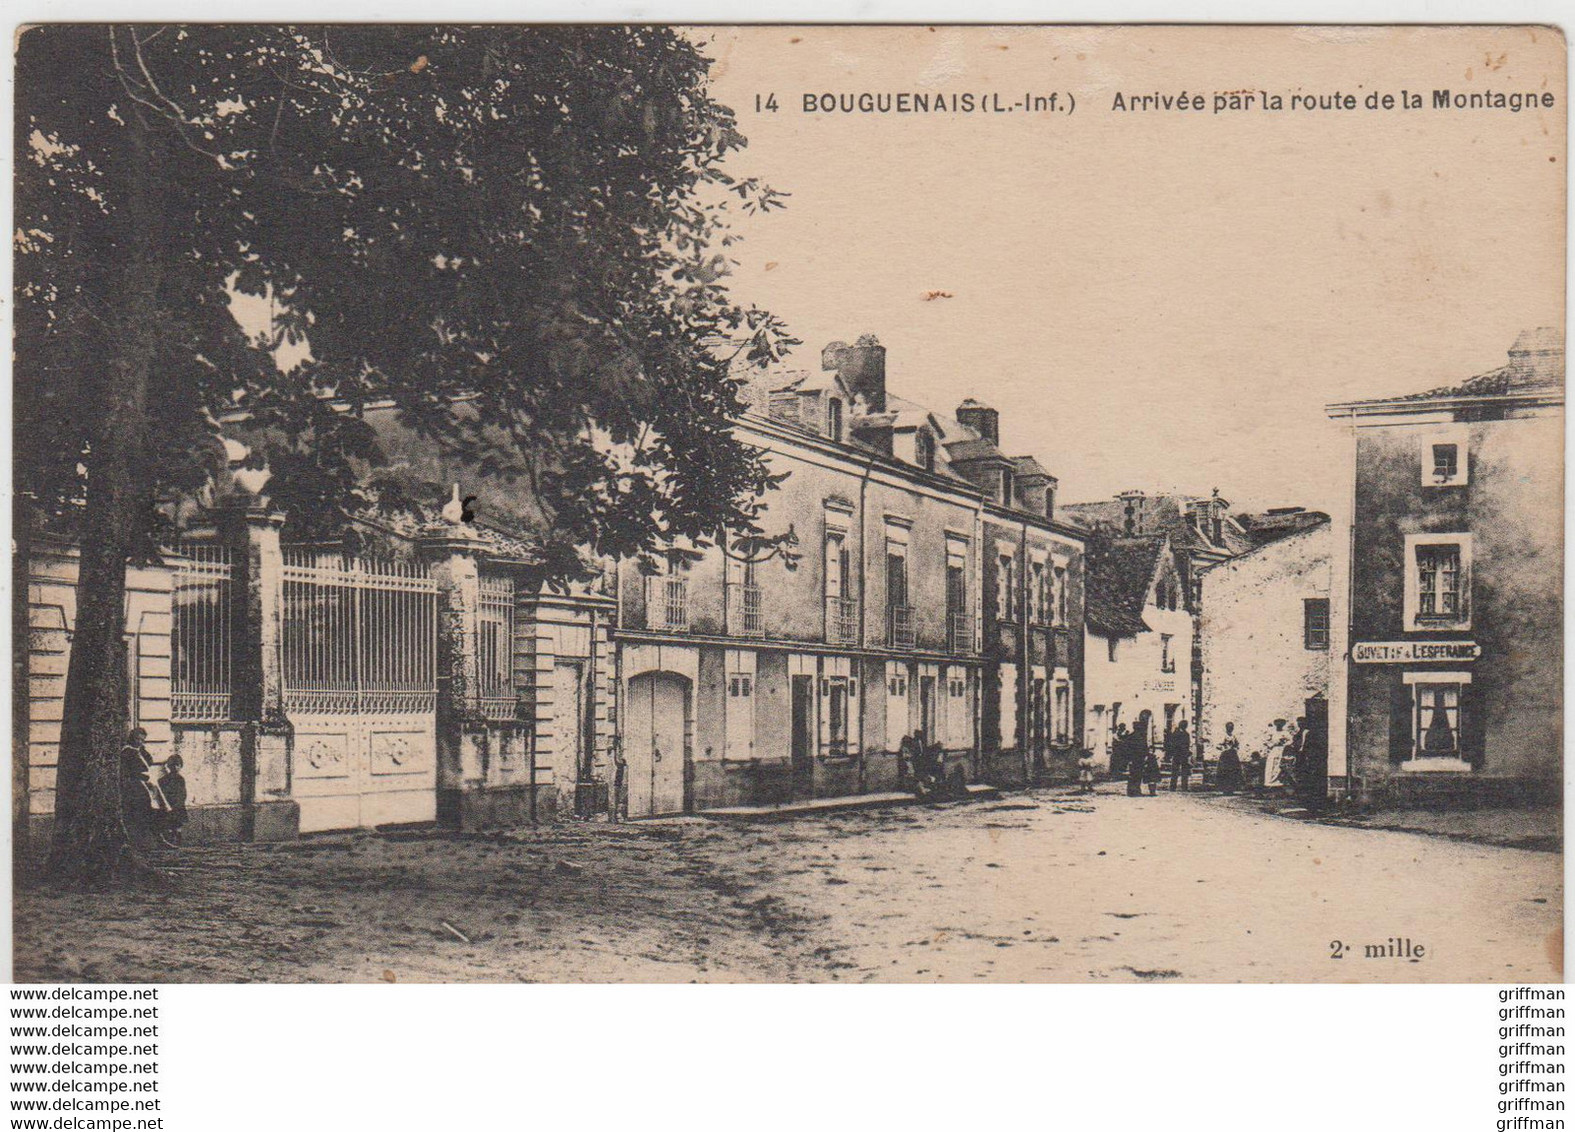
{"x": 748, "y": 620}
{"x": 959, "y": 633}
{"x": 842, "y": 621}
{"x": 900, "y": 618}
{"x": 667, "y": 604}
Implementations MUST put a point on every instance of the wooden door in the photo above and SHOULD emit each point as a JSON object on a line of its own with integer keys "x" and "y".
{"x": 568, "y": 729}
{"x": 803, "y": 736}
{"x": 656, "y": 744}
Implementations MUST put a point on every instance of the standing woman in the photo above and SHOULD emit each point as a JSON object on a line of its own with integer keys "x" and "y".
{"x": 1230, "y": 761}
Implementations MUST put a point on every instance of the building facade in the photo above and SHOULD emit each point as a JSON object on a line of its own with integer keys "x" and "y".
{"x": 1264, "y": 636}
{"x": 1448, "y": 594}
{"x": 1138, "y": 644}
{"x": 751, "y": 679}
{"x": 429, "y": 673}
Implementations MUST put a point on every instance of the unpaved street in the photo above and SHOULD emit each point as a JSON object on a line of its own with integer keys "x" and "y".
{"x": 1043, "y": 886}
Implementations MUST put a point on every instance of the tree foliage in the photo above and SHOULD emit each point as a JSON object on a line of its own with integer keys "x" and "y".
{"x": 531, "y": 219}
{"x": 517, "y": 237}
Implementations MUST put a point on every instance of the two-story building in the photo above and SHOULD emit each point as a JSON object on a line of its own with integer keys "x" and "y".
{"x": 749, "y": 678}
{"x": 1032, "y": 574}
{"x": 1448, "y": 604}
{"x": 1138, "y": 642}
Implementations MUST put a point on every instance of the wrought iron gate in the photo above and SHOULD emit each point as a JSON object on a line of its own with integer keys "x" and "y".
{"x": 360, "y": 685}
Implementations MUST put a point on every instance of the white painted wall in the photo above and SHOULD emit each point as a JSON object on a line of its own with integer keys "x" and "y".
{"x": 1256, "y": 666}
{"x": 1136, "y": 678}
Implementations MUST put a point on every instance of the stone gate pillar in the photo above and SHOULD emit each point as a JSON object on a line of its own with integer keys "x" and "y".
{"x": 250, "y": 525}
{"x": 453, "y": 553}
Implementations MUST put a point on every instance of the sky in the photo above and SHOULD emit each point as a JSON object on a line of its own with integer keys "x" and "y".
{"x": 1163, "y": 300}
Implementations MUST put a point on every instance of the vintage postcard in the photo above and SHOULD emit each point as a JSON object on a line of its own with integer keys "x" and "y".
{"x": 788, "y": 504}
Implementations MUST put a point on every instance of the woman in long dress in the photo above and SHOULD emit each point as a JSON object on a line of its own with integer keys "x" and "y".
{"x": 1228, "y": 777}
{"x": 1274, "y": 755}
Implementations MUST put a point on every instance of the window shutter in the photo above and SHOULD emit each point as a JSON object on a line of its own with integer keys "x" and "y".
{"x": 1473, "y": 735}
{"x": 1401, "y": 711}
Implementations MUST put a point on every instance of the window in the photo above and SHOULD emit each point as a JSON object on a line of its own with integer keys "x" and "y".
{"x": 1167, "y": 659}
{"x": 1110, "y": 647}
{"x": 841, "y": 608}
{"x": 1436, "y": 720}
{"x": 837, "y": 691}
{"x": 1315, "y": 623}
{"x": 834, "y": 419}
{"x": 1438, "y": 581}
{"x": 1008, "y": 487}
{"x": 1060, "y": 595}
{"x": 1006, "y": 589}
{"x": 1444, "y": 457}
{"x": 1038, "y": 596}
{"x": 899, "y": 613}
{"x": 924, "y": 450}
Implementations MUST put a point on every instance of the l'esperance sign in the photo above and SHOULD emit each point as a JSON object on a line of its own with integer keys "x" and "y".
{"x": 1409, "y": 652}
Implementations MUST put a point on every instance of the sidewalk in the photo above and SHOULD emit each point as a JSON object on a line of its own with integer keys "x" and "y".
{"x": 784, "y": 810}
{"x": 1539, "y": 828}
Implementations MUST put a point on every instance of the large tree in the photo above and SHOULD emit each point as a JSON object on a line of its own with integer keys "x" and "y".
{"x": 517, "y": 236}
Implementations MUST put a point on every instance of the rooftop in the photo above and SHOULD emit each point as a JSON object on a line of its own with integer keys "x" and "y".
{"x": 1119, "y": 574}
{"x": 1536, "y": 365}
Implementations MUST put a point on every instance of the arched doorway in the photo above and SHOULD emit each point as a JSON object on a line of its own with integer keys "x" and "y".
{"x": 656, "y": 743}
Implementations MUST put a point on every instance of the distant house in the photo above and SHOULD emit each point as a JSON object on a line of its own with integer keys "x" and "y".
{"x": 1203, "y": 531}
{"x": 1264, "y": 635}
{"x": 1449, "y": 603}
{"x": 1138, "y": 642}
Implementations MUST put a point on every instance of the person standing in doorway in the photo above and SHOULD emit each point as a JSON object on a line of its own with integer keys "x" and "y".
{"x": 1132, "y": 754}
{"x": 1178, "y": 749}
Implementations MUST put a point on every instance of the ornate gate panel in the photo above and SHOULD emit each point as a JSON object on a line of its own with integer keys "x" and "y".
{"x": 360, "y": 686}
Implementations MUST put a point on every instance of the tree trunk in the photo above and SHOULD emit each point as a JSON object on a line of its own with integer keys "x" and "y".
{"x": 91, "y": 845}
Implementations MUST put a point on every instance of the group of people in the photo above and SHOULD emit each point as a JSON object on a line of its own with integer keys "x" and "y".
{"x": 1132, "y": 750}
{"x": 151, "y": 808}
{"x": 1282, "y": 764}
{"x": 1277, "y": 766}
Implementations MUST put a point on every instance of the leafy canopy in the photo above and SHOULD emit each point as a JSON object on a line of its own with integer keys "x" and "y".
{"x": 517, "y": 237}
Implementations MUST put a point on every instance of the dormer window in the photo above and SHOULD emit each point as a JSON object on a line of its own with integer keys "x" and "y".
{"x": 924, "y": 450}
{"x": 834, "y": 419}
{"x": 1008, "y": 487}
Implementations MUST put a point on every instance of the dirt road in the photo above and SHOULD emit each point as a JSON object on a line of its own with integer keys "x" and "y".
{"x": 1045, "y": 886}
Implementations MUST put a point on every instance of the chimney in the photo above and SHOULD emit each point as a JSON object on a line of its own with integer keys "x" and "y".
{"x": 1131, "y": 512}
{"x": 981, "y": 418}
{"x": 1536, "y": 360}
{"x": 862, "y": 367}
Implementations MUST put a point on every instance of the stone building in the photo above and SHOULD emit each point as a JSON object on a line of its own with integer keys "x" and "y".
{"x": 1032, "y": 576}
{"x": 1263, "y": 628}
{"x": 756, "y": 679}
{"x": 1138, "y": 643}
{"x": 429, "y": 672}
{"x": 1448, "y": 600}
